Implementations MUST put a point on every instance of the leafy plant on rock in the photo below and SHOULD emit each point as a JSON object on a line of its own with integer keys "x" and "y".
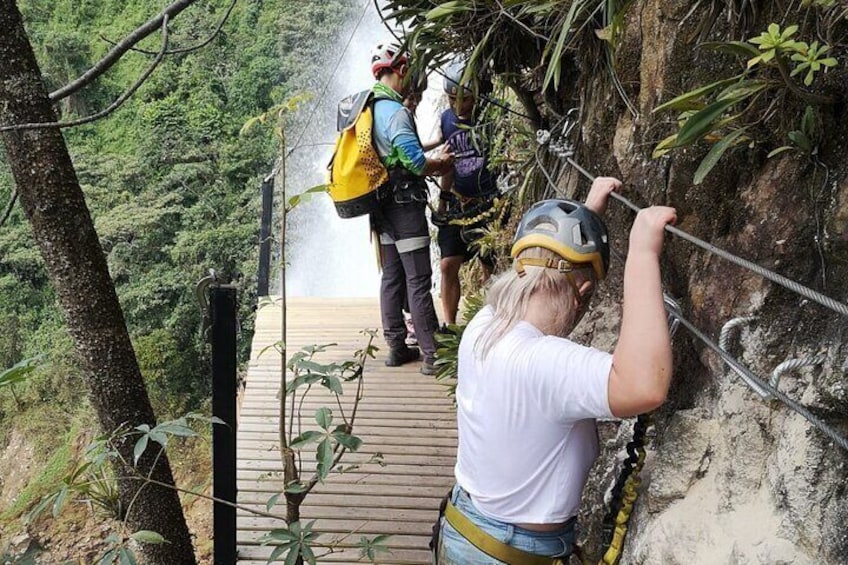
{"x": 725, "y": 112}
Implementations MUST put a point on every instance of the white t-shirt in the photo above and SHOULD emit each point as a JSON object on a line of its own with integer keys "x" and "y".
{"x": 525, "y": 416}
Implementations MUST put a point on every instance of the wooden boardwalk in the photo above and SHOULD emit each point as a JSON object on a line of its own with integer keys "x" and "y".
{"x": 403, "y": 415}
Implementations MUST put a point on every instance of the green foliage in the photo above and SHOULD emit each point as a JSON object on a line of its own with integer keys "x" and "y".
{"x": 726, "y": 111}
{"x": 329, "y": 437}
{"x": 805, "y": 139}
{"x": 507, "y": 37}
{"x": 92, "y": 481}
{"x": 447, "y": 352}
{"x": 172, "y": 188}
{"x": 812, "y": 59}
{"x": 46, "y": 481}
{"x": 19, "y": 372}
{"x": 296, "y": 541}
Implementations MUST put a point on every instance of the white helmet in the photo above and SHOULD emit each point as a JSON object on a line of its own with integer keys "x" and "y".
{"x": 387, "y": 56}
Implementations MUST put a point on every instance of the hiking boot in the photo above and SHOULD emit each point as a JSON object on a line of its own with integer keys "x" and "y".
{"x": 400, "y": 355}
{"x": 428, "y": 367}
{"x": 444, "y": 330}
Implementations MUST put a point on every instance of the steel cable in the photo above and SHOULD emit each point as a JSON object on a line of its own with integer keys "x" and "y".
{"x": 822, "y": 299}
{"x": 757, "y": 384}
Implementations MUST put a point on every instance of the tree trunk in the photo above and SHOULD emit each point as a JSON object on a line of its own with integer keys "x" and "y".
{"x": 53, "y": 202}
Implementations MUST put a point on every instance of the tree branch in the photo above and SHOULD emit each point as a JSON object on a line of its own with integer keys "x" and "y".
{"x": 8, "y": 211}
{"x": 201, "y": 45}
{"x": 120, "y": 49}
{"x": 112, "y": 107}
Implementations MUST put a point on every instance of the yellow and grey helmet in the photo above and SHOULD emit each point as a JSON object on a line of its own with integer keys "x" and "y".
{"x": 569, "y": 229}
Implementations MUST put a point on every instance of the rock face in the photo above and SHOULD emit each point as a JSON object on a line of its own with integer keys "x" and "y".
{"x": 731, "y": 478}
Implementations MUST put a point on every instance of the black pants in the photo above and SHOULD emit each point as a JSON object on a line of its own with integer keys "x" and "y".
{"x": 407, "y": 274}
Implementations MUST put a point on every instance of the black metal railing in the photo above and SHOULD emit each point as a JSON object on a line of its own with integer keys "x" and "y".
{"x": 265, "y": 237}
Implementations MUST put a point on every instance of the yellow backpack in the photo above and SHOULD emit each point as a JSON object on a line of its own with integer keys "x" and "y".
{"x": 358, "y": 178}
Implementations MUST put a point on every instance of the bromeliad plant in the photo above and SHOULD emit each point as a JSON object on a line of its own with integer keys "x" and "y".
{"x": 524, "y": 41}
{"x": 724, "y": 111}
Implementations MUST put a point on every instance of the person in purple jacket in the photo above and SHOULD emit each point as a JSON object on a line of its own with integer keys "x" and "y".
{"x": 471, "y": 182}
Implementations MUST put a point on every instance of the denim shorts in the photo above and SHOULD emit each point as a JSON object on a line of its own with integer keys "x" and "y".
{"x": 456, "y": 550}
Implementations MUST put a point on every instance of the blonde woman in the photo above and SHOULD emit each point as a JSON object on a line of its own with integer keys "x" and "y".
{"x": 527, "y": 397}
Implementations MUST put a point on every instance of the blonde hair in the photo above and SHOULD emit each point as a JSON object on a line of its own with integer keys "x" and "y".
{"x": 510, "y": 293}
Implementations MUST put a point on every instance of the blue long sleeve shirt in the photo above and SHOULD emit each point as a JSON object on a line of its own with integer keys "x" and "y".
{"x": 395, "y": 134}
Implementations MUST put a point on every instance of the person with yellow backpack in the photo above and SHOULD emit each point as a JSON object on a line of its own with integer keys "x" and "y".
{"x": 399, "y": 220}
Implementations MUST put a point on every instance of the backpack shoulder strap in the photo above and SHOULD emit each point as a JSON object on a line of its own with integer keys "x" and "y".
{"x": 350, "y": 108}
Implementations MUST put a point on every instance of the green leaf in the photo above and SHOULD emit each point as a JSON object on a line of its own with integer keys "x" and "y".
{"x": 664, "y": 146}
{"x": 779, "y": 150}
{"x": 308, "y": 554}
{"x": 294, "y": 553}
{"x": 808, "y": 122}
{"x": 685, "y": 101}
{"x": 333, "y": 383}
{"x": 175, "y": 429}
{"x": 447, "y": 9}
{"x": 271, "y": 502}
{"x": 324, "y": 417}
{"x": 139, "y": 448}
{"x": 555, "y": 57}
{"x": 740, "y": 48}
{"x": 126, "y": 557}
{"x": 147, "y": 536}
{"x": 19, "y": 371}
{"x": 279, "y": 551}
{"x": 742, "y": 89}
{"x": 349, "y": 441}
{"x": 702, "y": 122}
{"x": 280, "y": 534}
{"x": 801, "y": 140}
{"x": 715, "y": 154}
{"x": 59, "y": 501}
{"x": 325, "y": 458}
{"x": 306, "y": 438}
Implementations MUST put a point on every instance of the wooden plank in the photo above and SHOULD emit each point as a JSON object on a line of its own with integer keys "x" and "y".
{"x": 405, "y": 416}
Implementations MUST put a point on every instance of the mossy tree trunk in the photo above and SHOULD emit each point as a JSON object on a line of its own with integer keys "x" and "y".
{"x": 54, "y": 204}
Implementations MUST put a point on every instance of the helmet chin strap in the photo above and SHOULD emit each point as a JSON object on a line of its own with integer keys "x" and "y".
{"x": 561, "y": 265}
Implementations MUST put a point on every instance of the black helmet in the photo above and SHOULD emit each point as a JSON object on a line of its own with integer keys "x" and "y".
{"x": 569, "y": 229}
{"x": 453, "y": 76}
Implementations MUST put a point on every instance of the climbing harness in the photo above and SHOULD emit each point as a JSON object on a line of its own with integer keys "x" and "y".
{"x": 626, "y": 489}
{"x": 491, "y": 546}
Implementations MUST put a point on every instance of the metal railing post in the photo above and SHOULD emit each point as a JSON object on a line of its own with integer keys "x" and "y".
{"x": 223, "y": 335}
{"x": 265, "y": 237}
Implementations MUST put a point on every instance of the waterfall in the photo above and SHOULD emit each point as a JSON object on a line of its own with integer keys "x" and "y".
{"x": 327, "y": 255}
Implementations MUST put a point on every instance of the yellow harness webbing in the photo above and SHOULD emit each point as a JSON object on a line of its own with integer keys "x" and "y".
{"x": 492, "y": 546}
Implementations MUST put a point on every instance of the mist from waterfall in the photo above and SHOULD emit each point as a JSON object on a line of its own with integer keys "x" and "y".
{"x": 329, "y": 256}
